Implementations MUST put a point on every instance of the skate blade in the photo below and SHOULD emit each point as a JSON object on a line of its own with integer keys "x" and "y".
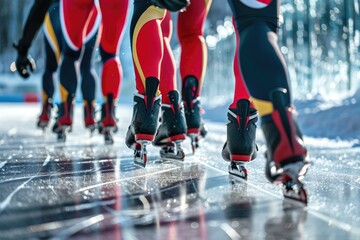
{"x": 194, "y": 138}
{"x": 180, "y": 156}
{"x": 173, "y": 151}
{"x": 42, "y": 125}
{"x": 238, "y": 170}
{"x": 108, "y": 135}
{"x": 296, "y": 196}
{"x": 139, "y": 162}
{"x": 62, "y": 133}
{"x": 140, "y": 153}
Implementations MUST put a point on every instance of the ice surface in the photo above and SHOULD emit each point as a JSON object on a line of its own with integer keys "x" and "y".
{"x": 83, "y": 189}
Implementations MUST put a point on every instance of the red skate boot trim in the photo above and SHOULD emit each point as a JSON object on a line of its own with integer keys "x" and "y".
{"x": 89, "y": 119}
{"x": 44, "y": 117}
{"x": 177, "y": 137}
{"x": 193, "y": 131}
{"x": 65, "y": 121}
{"x": 240, "y": 158}
{"x": 147, "y": 137}
{"x": 108, "y": 121}
{"x": 43, "y": 120}
{"x": 290, "y": 144}
{"x": 174, "y": 138}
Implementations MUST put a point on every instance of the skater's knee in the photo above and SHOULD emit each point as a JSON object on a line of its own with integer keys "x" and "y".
{"x": 105, "y": 56}
{"x": 70, "y": 53}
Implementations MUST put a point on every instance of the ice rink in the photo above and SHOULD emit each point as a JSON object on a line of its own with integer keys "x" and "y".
{"x": 84, "y": 189}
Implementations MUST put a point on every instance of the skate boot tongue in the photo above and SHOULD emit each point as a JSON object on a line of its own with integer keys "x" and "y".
{"x": 243, "y": 106}
{"x": 151, "y": 84}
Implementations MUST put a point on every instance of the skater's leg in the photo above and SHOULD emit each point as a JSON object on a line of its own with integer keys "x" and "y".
{"x": 240, "y": 91}
{"x": 47, "y": 87}
{"x": 88, "y": 74}
{"x": 147, "y": 52}
{"x": 114, "y": 15}
{"x": 146, "y": 43}
{"x": 72, "y": 28}
{"x": 240, "y": 146}
{"x": 168, "y": 67}
{"x": 52, "y": 40}
{"x": 193, "y": 60}
{"x": 267, "y": 80}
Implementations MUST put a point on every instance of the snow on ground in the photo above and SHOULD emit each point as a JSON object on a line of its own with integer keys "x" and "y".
{"x": 328, "y": 120}
{"x": 322, "y": 117}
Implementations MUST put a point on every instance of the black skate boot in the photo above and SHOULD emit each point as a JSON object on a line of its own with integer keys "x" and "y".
{"x": 45, "y": 116}
{"x": 240, "y": 146}
{"x": 89, "y": 116}
{"x": 172, "y": 129}
{"x": 144, "y": 121}
{"x": 286, "y": 155}
{"x": 64, "y": 119}
{"x": 196, "y": 129}
{"x": 107, "y": 125}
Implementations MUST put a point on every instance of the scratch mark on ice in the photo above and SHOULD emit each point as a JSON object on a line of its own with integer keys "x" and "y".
{"x": 7, "y": 200}
{"x": 2, "y": 164}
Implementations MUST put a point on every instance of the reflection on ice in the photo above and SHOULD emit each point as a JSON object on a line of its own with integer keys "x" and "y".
{"x": 83, "y": 189}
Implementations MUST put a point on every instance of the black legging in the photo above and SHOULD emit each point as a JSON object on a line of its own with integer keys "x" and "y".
{"x": 261, "y": 62}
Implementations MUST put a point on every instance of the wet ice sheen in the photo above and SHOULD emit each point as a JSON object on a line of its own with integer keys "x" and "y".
{"x": 83, "y": 189}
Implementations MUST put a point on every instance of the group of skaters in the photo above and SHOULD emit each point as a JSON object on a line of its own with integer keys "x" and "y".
{"x": 164, "y": 114}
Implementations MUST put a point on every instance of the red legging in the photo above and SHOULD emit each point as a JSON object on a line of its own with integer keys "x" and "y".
{"x": 190, "y": 28}
{"x": 241, "y": 91}
{"x": 75, "y": 18}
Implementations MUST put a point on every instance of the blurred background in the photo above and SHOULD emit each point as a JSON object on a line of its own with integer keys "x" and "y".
{"x": 319, "y": 39}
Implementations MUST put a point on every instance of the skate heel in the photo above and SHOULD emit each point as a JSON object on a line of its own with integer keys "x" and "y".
{"x": 144, "y": 122}
{"x": 89, "y": 116}
{"x": 140, "y": 153}
{"x": 173, "y": 151}
{"x": 172, "y": 129}
{"x": 195, "y": 126}
{"x": 240, "y": 146}
{"x": 107, "y": 125}
{"x": 44, "y": 118}
{"x": 64, "y": 119}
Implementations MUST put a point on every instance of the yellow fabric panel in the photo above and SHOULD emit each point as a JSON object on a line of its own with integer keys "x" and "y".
{"x": 263, "y": 107}
{"x": 44, "y": 96}
{"x": 64, "y": 93}
{"x": 150, "y": 14}
{"x": 50, "y": 32}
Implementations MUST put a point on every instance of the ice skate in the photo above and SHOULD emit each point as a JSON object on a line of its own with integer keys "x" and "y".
{"x": 286, "y": 155}
{"x": 107, "y": 125}
{"x": 240, "y": 146}
{"x": 172, "y": 129}
{"x": 144, "y": 121}
{"x": 196, "y": 129}
{"x": 64, "y": 119}
{"x": 45, "y": 116}
{"x": 89, "y": 116}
